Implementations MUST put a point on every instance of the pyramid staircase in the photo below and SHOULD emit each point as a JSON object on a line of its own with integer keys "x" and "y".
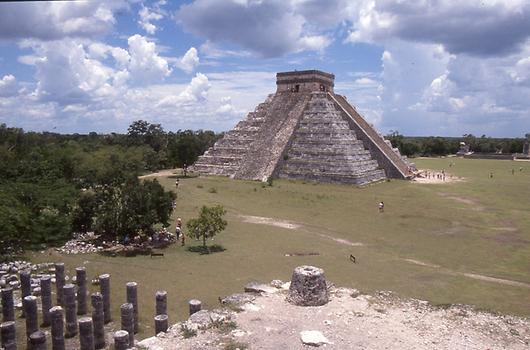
{"x": 304, "y": 131}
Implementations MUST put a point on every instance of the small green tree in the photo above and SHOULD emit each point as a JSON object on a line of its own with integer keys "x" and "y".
{"x": 209, "y": 223}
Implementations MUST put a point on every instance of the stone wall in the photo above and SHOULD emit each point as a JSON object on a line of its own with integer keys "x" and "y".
{"x": 388, "y": 158}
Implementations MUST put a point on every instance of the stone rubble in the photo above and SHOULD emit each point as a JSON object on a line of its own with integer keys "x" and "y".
{"x": 350, "y": 320}
{"x": 313, "y": 338}
{"x": 80, "y": 244}
{"x": 9, "y": 276}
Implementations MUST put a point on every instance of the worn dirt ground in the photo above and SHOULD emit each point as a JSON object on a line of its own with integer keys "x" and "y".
{"x": 353, "y": 321}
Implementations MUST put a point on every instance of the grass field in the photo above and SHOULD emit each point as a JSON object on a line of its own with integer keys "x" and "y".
{"x": 439, "y": 242}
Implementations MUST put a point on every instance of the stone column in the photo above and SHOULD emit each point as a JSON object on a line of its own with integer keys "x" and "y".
{"x": 104, "y": 286}
{"x": 32, "y": 316}
{"x": 69, "y": 310}
{"x": 98, "y": 320}
{"x": 80, "y": 274}
{"x": 127, "y": 321}
{"x": 161, "y": 302}
{"x": 37, "y": 341}
{"x": 25, "y": 286}
{"x": 86, "y": 334}
{"x": 308, "y": 287}
{"x": 56, "y": 315}
{"x": 132, "y": 298}
{"x": 121, "y": 340}
{"x": 46, "y": 299}
{"x": 8, "y": 335}
{"x": 8, "y": 305}
{"x": 59, "y": 282}
{"x": 195, "y": 306}
{"x": 161, "y": 323}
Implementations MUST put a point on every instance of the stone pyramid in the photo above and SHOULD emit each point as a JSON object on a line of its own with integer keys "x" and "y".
{"x": 304, "y": 131}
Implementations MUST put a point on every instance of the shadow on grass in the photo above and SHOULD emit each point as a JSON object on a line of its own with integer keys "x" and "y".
{"x": 215, "y": 248}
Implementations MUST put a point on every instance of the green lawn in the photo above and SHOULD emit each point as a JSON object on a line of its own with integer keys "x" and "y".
{"x": 480, "y": 226}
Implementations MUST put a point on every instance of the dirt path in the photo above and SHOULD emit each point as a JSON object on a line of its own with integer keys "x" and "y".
{"x": 296, "y": 226}
{"x": 161, "y": 173}
{"x": 429, "y": 176}
{"x": 470, "y": 275}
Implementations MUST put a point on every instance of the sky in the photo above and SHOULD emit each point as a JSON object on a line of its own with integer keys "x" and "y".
{"x": 419, "y": 67}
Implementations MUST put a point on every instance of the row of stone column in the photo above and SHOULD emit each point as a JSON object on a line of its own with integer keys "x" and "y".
{"x": 91, "y": 329}
{"x": 64, "y": 322}
{"x": 74, "y": 304}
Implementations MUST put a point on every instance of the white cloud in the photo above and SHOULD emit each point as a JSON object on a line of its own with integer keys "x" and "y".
{"x": 189, "y": 61}
{"x": 145, "y": 64}
{"x": 50, "y": 20}
{"x": 313, "y": 43}
{"x": 520, "y": 73}
{"x": 268, "y": 28}
{"x": 480, "y": 28}
{"x": 212, "y": 50}
{"x": 196, "y": 91}
{"x": 147, "y": 16}
{"x": 8, "y": 86}
{"x": 66, "y": 74}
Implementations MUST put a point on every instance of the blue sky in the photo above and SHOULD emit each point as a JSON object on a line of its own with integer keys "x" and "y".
{"x": 426, "y": 67}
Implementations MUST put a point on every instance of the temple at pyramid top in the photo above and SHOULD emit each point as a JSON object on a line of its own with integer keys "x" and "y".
{"x": 305, "y": 131}
{"x": 304, "y": 81}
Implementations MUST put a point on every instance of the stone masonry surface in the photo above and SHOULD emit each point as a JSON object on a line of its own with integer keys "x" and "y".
{"x": 307, "y": 133}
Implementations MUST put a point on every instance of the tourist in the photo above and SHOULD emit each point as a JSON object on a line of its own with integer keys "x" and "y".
{"x": 177, "y": 183}
{"x": 381, "y": 207}
{"x": 177, "y": 232}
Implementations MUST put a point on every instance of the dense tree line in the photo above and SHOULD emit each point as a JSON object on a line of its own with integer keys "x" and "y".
{"x": 53, "y": 184}
{"x": 441, "y": 146}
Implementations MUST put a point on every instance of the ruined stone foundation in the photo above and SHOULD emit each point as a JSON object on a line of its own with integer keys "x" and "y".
{"x": 304, "y": 131}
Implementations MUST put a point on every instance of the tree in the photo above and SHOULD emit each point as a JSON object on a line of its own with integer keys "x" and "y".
{"x": 132, "y": 207}
{"x": 209, "y": 223}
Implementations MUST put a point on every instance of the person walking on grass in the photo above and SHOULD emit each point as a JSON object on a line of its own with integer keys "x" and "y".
{"x": 381, "y": 207}
{"x": 178, "y": 228}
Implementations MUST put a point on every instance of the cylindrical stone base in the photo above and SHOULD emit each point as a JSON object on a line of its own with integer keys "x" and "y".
{"x": 98, "y": 321}
{"x": 70, "y": 311}
{"x": 132, "y": 298}
{"x": 32, "y": 317}
{"x": 37, "y": 341}
{"x": 80, "y": 278}
{"x": 25, "y": 286}
{"x": 59, "y": 282}
{"x": 195, "y": 306}
{"x": 308, "y": 287}
{"x": 161, "y": 302}
{"x": 46, "y": 299}
{"x": 104, "y": 285}
{"x": 121, "y": 340}
{"x": 8, "y": 305}
{"x": 8, "y": 335}
{"x": 86, "y": 334}
{"x": 57, "y": 329}
{"x": 161, "y": 323}
{"x": 127, "y": 321}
